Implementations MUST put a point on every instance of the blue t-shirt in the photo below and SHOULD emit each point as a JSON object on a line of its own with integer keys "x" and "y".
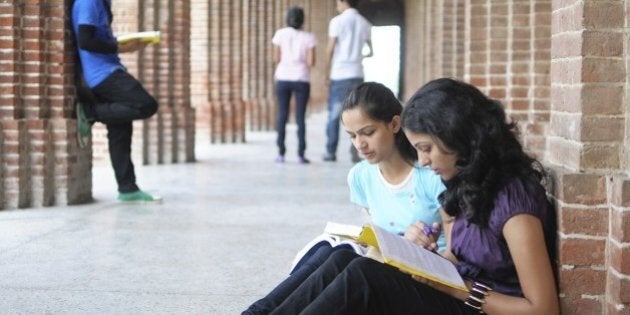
{"x": 394, "y": 208}
{"x": 96, "y": 66}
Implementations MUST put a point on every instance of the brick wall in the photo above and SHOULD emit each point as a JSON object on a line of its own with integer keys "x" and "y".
{"x": 40, "y": 164}
{"x": 560, "y": 69}
{"x": 585, "y": 146}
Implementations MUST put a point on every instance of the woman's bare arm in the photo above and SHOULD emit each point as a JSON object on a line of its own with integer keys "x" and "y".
{"x": 310, "y": 57}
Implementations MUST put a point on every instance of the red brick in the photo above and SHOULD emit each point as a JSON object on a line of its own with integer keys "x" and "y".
{"x": 591, "y": 221}
{"x": 582, "y": 252}
{"x": 601, "y": 100}
{"x": 620, "y": 258}
{"x": 579, "y": 305}
{"x": 566, "y": 154}
{"x": 621, "y": 191}
{"x": 602, "y": 128}
{"x": 582, "y": 281}
{"x": 603, "y": 14}
{"x": 580, "y": 188}
{"x": 602, "y": 70}
{"x": 602, "y": 43}
{"x": 566, "y": 45}
{"x": 596, "y": 156}
{"x": 620, "y": 221}
{"x": 618, "y": 288}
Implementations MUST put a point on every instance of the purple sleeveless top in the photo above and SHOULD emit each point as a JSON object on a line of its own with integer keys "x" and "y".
{"x": 483, "y": 253}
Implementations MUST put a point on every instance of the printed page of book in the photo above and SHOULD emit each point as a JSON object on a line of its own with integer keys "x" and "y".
{"x": 412, "y": 258}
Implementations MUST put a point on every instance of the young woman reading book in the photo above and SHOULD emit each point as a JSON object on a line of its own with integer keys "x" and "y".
{"x": 397, "y": 193}
{"x": 499, "y": 226}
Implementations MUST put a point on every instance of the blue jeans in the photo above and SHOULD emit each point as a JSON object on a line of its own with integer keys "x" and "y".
{"x": 338, "y": 91}
{"x": 121, "y": 99}
{"x": 302, "y": 91}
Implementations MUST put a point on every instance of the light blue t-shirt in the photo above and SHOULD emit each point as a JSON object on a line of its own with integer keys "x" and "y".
{"x": 394, "y": 208}
{"x": 96, "y": 66}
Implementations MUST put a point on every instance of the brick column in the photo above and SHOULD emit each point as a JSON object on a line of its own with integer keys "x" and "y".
{"x": 199, "y": 59}
{"x": 434, "y": 42}
{"x": 249, "y": 64}
{"x": 413, "y": 55}
{"x": 226, "y": 70}
{"x": 453, "y": 40}
{"x": 266, "y": 18}
{"x": 317, "y": 19}
{"x": 477, "y": 43}
{"x": 584, "y": 144}
{"x": 40, "y": 164}
{"x": 164, "y": 70}
{"x": 537, "y": 50}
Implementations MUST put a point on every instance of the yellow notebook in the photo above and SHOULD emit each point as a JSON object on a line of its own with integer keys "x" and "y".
{"x": 411, "y": 258}
{"x": 152, "y": 37}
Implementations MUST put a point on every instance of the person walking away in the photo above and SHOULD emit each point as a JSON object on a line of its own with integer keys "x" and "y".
{"x": 348, "y": 34}
{"x": 294, "y": 56}
{"x": 117, "y": 98}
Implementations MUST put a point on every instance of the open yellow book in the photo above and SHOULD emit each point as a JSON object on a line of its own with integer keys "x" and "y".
{"x": 411, "y": 258}
{"x": 152, "y": 37}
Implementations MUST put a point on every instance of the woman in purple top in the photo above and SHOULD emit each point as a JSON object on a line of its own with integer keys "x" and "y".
{"x": 499, "y": 225}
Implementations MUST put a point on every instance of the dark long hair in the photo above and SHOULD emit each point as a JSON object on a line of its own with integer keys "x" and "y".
{"x": 295, "y": 17}
{"x": 380, "y": 104}
{"x": 475, "y": 128}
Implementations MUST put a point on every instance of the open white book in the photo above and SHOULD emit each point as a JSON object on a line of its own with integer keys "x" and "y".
{"x": 411, "y": 258}
{"x": 152, "y": 37}
{"x": 335, "y": 235}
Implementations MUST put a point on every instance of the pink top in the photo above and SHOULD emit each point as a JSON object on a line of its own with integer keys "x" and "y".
{"x": 294, "y": 45}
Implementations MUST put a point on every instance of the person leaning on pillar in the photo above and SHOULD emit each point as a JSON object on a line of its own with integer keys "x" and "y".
{"x": 108, "y": 93}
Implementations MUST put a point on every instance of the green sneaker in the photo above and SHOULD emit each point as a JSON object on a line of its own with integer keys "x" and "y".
{"x": 84, "y": 128}
{"x": 138, "y": 196}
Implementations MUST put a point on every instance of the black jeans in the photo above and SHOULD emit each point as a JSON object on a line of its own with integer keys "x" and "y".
{"x": 302, "y": 91}
{"x": 121, "y": 99}
{"x": 286, "y": 287}
{"x": 350, "y": 284}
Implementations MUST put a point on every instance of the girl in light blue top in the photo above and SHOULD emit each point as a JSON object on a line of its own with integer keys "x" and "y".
{"x": 394, "y": 189}
{"x": 399, "y": 195}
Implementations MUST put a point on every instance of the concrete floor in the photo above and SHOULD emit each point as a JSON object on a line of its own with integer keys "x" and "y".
{"x": 226, "y": 233}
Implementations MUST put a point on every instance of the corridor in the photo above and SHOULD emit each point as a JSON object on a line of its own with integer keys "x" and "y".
{"x": 225, "y": 234}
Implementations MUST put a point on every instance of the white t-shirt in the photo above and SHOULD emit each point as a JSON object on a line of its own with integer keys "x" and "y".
{"x": 352, "y": 32}
{"x": 294, "y": 45}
